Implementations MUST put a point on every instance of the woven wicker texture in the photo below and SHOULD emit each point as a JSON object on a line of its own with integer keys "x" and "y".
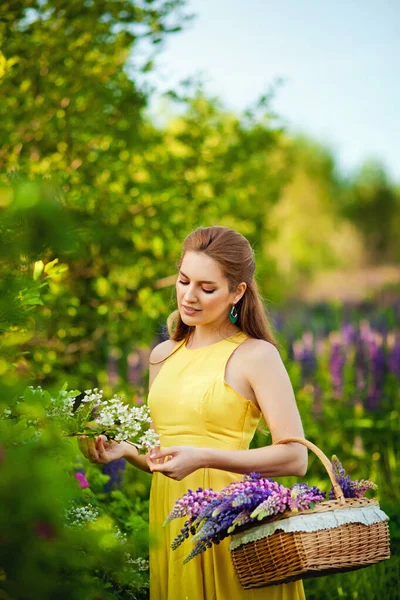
{"x": 284, "y": 557}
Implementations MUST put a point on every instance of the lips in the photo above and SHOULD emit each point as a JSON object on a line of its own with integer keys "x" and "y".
{"x": 190, "y": 309}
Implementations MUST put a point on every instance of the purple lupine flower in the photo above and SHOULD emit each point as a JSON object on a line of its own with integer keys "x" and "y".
{"x": 115, "y": 469}
{"x": 378, "y": 371}
{"x": 336, "y": 365}
{"x": 393, "y": 342}
{"x": 365, "y": 332}
{"x": 348, "y": 333}
{"x": 351, "y": 489}
{"x": 215, "y": 515}
{"x": 302, "y": 497}
{"x": 361, "y": 364}
{"x": 304, "y": 353}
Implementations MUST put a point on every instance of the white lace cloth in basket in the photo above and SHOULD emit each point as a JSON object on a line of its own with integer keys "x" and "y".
{"x": 311, "y": 522}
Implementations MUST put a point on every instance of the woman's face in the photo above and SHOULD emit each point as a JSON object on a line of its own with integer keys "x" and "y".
{"x": 202, "y": 291}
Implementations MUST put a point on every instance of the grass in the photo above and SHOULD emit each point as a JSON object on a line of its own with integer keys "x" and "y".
{"x": 378, "y": 582}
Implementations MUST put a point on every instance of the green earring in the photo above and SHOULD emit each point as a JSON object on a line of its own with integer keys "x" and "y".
{"x": 233, "y": 315}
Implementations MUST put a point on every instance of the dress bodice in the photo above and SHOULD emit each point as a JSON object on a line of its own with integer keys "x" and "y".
{"x": 192, "y": 404}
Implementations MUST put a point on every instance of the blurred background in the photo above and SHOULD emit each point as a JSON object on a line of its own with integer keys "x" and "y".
{"x": 126, "y": 124}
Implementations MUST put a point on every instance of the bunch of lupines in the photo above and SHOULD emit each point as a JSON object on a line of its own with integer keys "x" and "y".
{"x": 351, "y": 489}
{"x": 303, "y": 497}
{"x": 191, "y": 503}
{"x": 215, "y": 515}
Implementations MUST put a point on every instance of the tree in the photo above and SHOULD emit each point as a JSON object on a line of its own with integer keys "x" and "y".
{"x": 129, "y": 190}
{"x": 370, "y": 202}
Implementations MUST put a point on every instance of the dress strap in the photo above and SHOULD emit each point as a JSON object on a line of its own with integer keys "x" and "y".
{"x": 228, "y": 349}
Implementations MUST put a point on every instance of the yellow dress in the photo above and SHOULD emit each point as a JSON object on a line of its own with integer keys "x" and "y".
{"x": 191, "y": 404}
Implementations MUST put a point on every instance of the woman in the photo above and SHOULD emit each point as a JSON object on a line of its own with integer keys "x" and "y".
{"x": 210, "y": 383}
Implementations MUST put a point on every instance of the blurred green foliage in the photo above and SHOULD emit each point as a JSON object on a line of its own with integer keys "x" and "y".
{"x": 38, "y": 491}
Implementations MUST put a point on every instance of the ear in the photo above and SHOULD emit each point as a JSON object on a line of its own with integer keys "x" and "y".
{"x": 241, "y": 288}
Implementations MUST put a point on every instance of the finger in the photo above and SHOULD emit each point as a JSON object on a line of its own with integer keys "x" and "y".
{"x": 100, "y": 447}
{"x": 149, "y": 462}
{"x": 86, "y": 447}
{"x": 93, "y": 454}
{"x": 165, "y": 468}
{"x": 83, "y": 447}
{"x": 104, "y": 447}
{"x": 163, "y": 453}
{"x": 153, "y": 450}
{"x": 159, "y": 461}
{"x": 102, "y": 442}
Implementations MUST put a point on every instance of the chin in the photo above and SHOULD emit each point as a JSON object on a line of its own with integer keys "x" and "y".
{"x": 189, "y": 320}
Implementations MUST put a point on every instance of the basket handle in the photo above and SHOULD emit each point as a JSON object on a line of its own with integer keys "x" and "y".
{"x": 337, "y": 490}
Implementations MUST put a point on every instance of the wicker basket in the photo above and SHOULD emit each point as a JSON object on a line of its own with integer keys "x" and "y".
{"x": 284, "y": 556}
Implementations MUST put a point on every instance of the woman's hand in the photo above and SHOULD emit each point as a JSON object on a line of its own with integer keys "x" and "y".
{"x": 181, "y": 461}
{"x": 101, "y": 450}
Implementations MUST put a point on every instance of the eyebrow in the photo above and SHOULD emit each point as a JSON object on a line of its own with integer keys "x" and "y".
{"x": 182, "y": 273}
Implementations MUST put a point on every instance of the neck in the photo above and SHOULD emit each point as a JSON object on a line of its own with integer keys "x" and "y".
{"x": 204, "y": 336}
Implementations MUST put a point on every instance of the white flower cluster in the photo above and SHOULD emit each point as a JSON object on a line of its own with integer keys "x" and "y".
{"x": 78, "y": 516}
{"x": 121, "y": 536}
{"x": 128, "y": 421}
{"x": 94, "y": 395}
{"x": 60, "y": 407}
{"x": 149, "y": 439}
{"x": 140, "y": 564}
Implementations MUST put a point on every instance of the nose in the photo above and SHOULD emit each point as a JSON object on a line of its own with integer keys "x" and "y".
{"x": 190, "y": 296}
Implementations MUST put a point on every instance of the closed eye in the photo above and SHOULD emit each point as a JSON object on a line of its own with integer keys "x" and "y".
{"x": 205, "y": 291}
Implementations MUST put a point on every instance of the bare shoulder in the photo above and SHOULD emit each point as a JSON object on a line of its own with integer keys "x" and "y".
{"x": 256, "y": 356}
{"x": 259, "y": 350}
{"x": 162, "y": 350}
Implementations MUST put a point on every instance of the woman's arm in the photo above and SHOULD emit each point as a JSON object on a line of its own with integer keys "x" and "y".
{"x": 101, "y": 451}
{"x": 270, "y": 381}
{"x": 137, "y": 460}
{"x": 158, "y": 353}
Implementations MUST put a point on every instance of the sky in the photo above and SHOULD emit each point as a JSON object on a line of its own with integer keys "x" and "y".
{"x": 340, "y": 62}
